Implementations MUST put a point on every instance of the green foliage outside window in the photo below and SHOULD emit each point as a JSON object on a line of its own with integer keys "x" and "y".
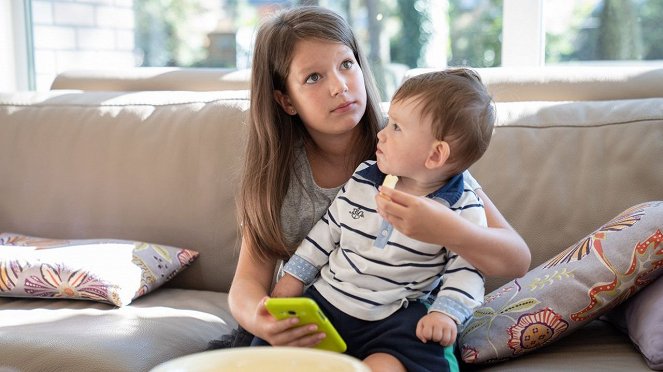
{"x": 407, "y": 45}
{"x": 162, "y": 29}
{"x": 475, "y": 33}
{"x": 604, "y": 30}
{"x": 612, "y": 30}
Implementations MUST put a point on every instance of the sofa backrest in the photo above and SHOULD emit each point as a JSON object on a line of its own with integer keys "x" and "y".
{"x": 550, "y": 83}
{"x": 163, "y": 167}
{"x": 154, "y": 78}
{"x": 569, "y": 83}
{"x": 560, "y": 170}
{"x": 159, "y": 167}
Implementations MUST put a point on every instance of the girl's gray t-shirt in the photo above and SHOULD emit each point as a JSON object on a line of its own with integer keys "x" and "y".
{"x": 305, "y": 201}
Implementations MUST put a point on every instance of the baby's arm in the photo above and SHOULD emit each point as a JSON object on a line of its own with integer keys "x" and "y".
{"x": 288, "y": 286}
{"x": 311, "y": 255}
{"x": 461, "y": 292}
{"x": 314, "y": 251}
{"x": 437, "y": 327}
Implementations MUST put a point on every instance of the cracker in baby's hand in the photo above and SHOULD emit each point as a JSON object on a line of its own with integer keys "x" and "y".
{"x": 390, "y": 181}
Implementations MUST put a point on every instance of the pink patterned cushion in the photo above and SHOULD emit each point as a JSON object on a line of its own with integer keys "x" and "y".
{"x": 578, "y": 285}
{"x": 112, "y": 271}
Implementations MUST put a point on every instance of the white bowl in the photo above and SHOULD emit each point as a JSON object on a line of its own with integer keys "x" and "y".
{"x": 264, "y": 359}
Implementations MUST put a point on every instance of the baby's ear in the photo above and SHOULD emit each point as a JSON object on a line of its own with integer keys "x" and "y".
{"x": 439, "y": 155}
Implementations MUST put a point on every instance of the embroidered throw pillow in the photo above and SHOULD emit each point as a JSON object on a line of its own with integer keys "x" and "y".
{"x": 578, "y": 285}
{"x": 112, "y": 271}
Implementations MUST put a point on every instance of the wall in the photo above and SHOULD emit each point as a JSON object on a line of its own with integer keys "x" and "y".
{"x": 81, "y": 34}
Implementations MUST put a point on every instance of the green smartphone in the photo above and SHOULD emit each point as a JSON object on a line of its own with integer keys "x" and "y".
{"x": 308, "y": 312}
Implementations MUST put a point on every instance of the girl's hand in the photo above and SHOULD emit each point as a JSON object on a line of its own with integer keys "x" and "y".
{"x": 437, "y": 327}
{"x": 419, "y": 218}
{"x": 286, "y": 332}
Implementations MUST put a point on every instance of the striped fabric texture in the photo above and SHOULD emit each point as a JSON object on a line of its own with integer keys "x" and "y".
{"x": 368, "y": 269}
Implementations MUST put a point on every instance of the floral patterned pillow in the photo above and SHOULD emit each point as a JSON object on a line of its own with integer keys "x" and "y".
{"x": 578, "y": 285}
{"x": 111, "y": 271}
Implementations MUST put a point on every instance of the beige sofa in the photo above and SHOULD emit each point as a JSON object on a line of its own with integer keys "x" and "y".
{"x": 135, "y": 162}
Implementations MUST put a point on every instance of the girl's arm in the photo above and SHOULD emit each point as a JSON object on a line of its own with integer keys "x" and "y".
{"x": 248, "y": 292}
{"x": 496, "y": 250}
{"x": 504, "y": 241}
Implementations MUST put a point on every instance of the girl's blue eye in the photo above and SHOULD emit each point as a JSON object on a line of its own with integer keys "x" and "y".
{"x": 347, "y": 64}
{"x": 313, "y": 78}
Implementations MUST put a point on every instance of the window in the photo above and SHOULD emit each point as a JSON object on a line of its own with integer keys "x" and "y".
{"x": 396, "y": 34}
{"x": 604, "y": 30}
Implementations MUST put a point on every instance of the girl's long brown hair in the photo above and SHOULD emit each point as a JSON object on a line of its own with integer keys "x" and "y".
{"x": 270, "y": 153}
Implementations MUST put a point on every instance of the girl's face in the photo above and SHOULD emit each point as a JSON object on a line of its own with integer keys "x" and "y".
{"x": 325, "y": 87}
{"x": 406, "y": 142}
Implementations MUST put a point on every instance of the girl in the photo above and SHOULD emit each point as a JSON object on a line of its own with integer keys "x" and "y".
{"x": 314, "y": 118}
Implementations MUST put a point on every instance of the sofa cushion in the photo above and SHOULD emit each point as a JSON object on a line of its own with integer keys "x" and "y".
{"x": 66, "y": 335}
{"x": 578, "y": 285}
{"x": 111, "y": 271}
{"x": 608, "y": 349}
{"x": 641, "y": 317}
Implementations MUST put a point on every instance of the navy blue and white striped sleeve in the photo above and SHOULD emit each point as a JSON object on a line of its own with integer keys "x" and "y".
{"x": 313, "y": 252}
{"x": 461, "y": 292}
{"x": 463, "y": 287}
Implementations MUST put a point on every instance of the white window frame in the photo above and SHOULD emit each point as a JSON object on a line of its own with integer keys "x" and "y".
{"x": 16, "y": 58}
{"x": 523, "y": 33}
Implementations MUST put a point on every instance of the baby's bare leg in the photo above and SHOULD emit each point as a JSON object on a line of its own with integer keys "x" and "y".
{"x": 382, "y": 362}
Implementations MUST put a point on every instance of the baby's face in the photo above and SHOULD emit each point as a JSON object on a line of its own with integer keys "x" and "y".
{"x": 406, "y": 142}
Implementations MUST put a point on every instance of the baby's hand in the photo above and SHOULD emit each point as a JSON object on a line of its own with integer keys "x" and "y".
{"x": 437, "y": 327}
{"x": 420, "y": 218}
{"x": 288, "y": 286}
